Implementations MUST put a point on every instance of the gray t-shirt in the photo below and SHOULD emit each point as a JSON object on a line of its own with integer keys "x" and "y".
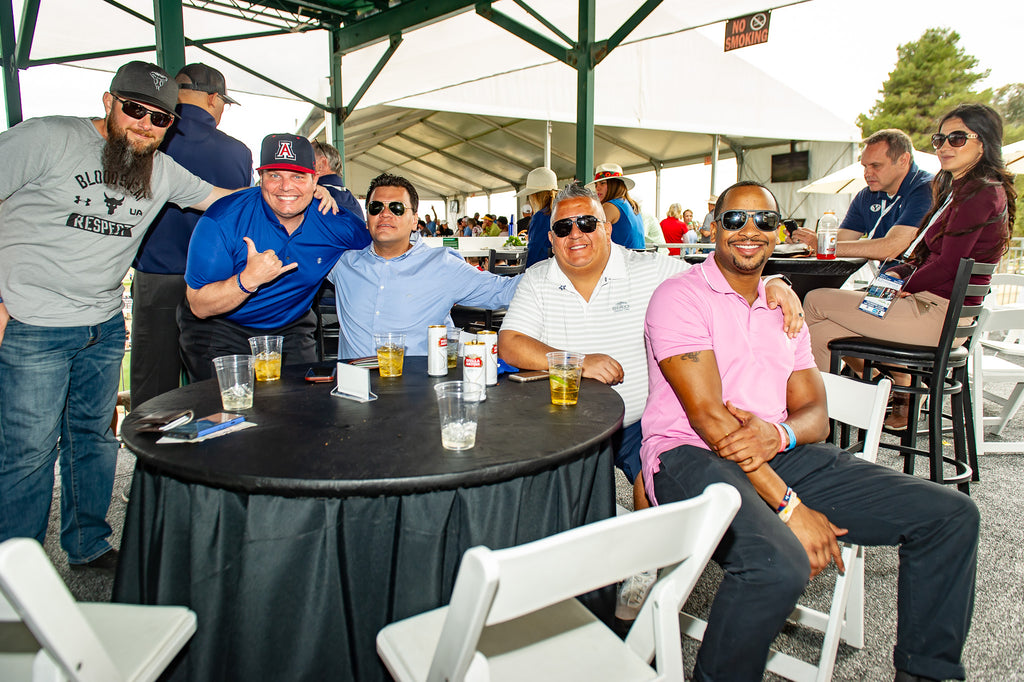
{"x": 66, "y": 238}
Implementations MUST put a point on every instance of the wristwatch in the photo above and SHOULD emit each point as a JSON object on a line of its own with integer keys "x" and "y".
{"x": 785, "y": 279}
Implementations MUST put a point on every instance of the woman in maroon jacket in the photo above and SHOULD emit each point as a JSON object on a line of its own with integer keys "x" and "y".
{"x": 972, "y": 216}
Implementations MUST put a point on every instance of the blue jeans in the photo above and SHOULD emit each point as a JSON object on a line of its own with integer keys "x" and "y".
{"x": 766, "y": 567}
{"x": 58, "y": 389}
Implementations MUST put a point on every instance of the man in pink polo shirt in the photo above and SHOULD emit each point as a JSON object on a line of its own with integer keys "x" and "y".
{"x": 733, "y": 399}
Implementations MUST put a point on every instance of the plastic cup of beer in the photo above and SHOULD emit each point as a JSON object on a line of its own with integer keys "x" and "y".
{"x": 390, "y": 353}
{"x": 565, "y": 368}
{"x": 454, "y": 334}
{"x": 235, "y": 374}
{"x": 267, "y": 351}
{"x": 458, "y": 403}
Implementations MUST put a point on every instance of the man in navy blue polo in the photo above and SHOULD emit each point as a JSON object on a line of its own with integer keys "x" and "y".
{"x": 884, "y": 217}
{"x": 257, "y": 259}
{"x": 329, "y": 169}
{"x": 159, "y": 283}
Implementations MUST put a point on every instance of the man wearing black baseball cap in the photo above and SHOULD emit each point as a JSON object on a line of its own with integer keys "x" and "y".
{"x": 77, "y": 197}
{"x": 256, "y": 261}
{"x": 159, "y": 283}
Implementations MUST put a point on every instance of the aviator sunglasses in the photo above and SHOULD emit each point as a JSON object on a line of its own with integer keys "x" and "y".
{"x": 586, "y": 223}
{"x": 766, "y": 221}
{"x": 397, "y": 208}
{"x": 957, "y": 138}
{"x": 161, "y": 119}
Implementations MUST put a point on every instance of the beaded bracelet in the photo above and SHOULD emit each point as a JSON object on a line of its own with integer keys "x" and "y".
{"x": 238, "y": 278}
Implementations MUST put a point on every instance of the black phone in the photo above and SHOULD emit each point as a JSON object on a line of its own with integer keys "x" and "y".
{"x": 321, "y": 374}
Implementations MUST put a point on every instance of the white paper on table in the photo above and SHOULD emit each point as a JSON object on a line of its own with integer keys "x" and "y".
{"x": 216, "y": 434}
{"x": 353, "y": 383}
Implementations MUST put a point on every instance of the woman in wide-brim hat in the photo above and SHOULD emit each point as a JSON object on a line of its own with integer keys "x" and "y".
{"x": 620, "y": 209}
{"x": 540, "y": 189}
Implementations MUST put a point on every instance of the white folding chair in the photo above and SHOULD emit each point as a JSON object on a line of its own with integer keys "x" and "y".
{"x": 861, "y": 406}
{"x": 995, "y": 367}
{"x": 513, "y": 613}
{"x": 84, "y": 642}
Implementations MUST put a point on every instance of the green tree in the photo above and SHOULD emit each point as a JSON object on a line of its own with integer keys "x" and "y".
{"x": 932, "y": 75}
{"x": 1009, "y": 102}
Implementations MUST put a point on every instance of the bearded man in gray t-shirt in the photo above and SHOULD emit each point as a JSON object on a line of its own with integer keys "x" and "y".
{"x": 78, "y": 195}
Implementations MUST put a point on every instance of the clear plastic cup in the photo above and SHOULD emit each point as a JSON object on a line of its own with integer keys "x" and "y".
{"x": 458, "y": 403}
{"x": 267, "y": 351}
{"x": 454, "y": 334}
{"x": 565, "y": 369}
{"x": 235, "y": 374}
{"x": 390, "y": 353}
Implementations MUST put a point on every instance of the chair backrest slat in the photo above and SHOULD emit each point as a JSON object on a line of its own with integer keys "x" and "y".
{"x": 860, "y": 405}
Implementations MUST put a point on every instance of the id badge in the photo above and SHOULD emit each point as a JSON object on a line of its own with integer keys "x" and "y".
{"x": 885, "y": 288}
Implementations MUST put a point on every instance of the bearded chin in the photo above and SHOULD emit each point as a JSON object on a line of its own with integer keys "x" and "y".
{"x": 125, "y": 168}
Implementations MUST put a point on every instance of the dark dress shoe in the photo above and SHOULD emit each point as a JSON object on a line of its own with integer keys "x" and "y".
{"x": 104, "y": 562}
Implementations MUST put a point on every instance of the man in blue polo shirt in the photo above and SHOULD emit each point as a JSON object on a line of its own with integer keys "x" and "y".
{"x": 889, "y": 210}
{"x": 159, "y": 283}
{"x": 257, "y": 259}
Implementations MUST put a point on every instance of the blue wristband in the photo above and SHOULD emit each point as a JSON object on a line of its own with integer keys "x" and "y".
{"x": 238, "y": 278}
{"x": 792, "y": 436}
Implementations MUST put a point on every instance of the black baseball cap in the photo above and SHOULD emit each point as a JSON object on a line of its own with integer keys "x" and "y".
{"x": 205, "y": 79}
{"x": 283, "y": 151}
{"x": 146, "y": 83}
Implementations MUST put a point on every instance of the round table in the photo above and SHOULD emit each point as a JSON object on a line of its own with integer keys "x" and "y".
{"x": 296, "y": 540}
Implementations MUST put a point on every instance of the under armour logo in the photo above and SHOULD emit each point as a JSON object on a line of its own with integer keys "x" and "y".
{"x": 284, "y": 150}
{"x": 79, "y": 200}
{"x": 158, "y": 79}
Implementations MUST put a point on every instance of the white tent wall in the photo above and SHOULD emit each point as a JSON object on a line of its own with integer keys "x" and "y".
{"x": 824, "y": 158}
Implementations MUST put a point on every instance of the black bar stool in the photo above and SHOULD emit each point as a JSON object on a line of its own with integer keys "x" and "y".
{"x": 935, "y": 373}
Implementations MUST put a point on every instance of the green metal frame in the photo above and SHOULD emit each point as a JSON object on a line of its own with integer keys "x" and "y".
{"x": 352, "y": 24}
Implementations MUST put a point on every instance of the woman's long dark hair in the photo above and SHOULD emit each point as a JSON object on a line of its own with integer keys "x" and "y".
{"x": 617, "y": 190}
{"x": 990, "y": 170}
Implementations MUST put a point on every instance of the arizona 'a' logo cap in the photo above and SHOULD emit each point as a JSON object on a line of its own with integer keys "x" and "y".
{"x": 282, "y": 151}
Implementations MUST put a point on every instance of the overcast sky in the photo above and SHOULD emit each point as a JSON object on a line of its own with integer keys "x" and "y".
{"x": 836, "y": 52}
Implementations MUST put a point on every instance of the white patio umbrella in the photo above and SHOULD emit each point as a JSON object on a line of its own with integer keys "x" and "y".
{"x": 850, "y": 180}
{"x": 1013, "y": 155}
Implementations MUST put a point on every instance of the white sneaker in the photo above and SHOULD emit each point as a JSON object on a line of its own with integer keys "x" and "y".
{"x": 633, "y": 593}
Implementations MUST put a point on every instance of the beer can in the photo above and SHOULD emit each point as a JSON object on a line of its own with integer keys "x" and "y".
{"x": 473, "y": 365}
{"x": 437, "y": 350}
{"x": 490, "y": 340}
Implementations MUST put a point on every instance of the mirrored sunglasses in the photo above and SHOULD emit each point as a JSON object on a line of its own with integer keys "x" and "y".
{"x": 161, "y": 119}
{"x": 766, "y": 221}
{"x": 957, "y": 138}
{"x": 397, "y": 208}
{"x": 586, "y": 223}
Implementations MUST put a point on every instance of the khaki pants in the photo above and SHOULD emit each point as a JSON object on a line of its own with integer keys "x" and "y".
{"x": 833, "y": 313}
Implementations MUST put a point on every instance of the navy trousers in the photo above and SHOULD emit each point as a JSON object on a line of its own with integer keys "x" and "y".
{"x": 766, "y": 567}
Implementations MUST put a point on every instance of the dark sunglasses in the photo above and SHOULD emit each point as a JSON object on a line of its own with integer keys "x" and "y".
{"x": 586, "y": 223}
{"x": 957, "y": 138}
{"x": 161, "y": 119}
{"x": 766, "y": 221}
{"x": 397, "y": 208}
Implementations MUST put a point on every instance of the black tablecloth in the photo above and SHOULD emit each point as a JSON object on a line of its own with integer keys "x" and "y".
{"x": 295, "y": 583}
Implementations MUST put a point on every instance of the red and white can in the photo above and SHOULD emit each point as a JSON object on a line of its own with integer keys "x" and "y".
{"x": 437, "y": 350}
{"x": 490, "y": 341}
{"x": 473, "y": 368}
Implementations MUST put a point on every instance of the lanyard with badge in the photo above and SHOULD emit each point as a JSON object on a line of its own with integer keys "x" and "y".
{"x": 894, "y": 274}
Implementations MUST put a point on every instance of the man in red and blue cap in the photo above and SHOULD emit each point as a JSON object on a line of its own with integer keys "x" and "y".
{"x": 256, "y": 260}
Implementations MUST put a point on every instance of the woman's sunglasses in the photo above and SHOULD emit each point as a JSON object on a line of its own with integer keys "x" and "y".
{"x": 586, "y": 223}
{"x": 161, "y": 119}
{"x": 957, "y": 138}
{"x": 397, "y": 208}
{"x": 766, "y": 221}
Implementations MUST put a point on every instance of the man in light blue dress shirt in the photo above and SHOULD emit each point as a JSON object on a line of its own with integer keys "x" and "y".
{"x": 395, "y": 286}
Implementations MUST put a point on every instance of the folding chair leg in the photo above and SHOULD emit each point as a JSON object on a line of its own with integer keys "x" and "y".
{"x": 1010, "y": 408}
